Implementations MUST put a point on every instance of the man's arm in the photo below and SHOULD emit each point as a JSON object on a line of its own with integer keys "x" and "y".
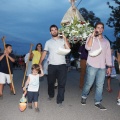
{"x": 67, "y": 45}
{"x": 12, "y": 59}
{"x": 42, "y": 58}
{"x": 108, "y": 59}
{"x": 2, "y": 56}
{"x": 5, "y": 54}
{"x": 90, "y": 39}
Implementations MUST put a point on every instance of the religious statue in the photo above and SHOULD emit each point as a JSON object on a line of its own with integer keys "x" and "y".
{"x": 71, "y": 13}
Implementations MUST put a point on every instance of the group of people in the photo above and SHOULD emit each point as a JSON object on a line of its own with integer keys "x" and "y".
{"x": 94, "y": 68}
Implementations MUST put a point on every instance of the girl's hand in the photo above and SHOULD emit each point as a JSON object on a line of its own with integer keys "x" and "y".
{"x": 24, "y": 88}
{"x": 108, "y": 71}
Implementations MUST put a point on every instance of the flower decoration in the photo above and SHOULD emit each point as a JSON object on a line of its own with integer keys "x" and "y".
{"x": 76, "y": 30}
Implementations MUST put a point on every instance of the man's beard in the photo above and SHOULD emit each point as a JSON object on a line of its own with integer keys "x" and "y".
{"x": 55, "y": 35}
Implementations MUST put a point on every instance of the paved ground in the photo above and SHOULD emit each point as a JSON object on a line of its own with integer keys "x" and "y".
{"x": 72, "y": 108}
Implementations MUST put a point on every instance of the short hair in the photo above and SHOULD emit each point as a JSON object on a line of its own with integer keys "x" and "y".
{"x": 36, "y": 67}
{"x": 37, "y": 45}
{"x": 8, "y": 45}
{"x": 55, "y": 26}
{"x": 99, "y": 23}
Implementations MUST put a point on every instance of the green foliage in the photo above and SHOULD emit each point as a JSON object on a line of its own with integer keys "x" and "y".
{"x": 114, "y": 19}
{"x": 89, "y": 16}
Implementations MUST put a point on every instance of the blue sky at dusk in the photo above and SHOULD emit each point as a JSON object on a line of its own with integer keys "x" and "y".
{"x": 28, "y": 21}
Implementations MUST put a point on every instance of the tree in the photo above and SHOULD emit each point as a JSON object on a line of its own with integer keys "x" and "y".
{"x": 89, "y": 16}
{"x": 116, "y": 44}
{"x": 114, "y": 20}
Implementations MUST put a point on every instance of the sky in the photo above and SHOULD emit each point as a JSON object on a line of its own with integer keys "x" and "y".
{"x": 23, "y": 22}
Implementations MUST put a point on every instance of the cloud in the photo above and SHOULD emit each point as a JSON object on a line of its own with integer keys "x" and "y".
{"x": 26, "y": 21}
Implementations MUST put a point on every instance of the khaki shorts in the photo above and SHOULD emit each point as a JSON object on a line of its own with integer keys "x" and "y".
{"x": 5, "y": 78}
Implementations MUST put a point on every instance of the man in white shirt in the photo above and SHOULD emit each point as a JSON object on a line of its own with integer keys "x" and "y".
{"x": 57, "y": 64}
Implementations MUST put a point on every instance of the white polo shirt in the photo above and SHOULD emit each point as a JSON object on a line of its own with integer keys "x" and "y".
{"x": 52, "y": 47}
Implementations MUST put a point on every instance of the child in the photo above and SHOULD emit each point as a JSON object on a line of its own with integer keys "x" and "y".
{"x": 4, "y": 72}
{"x": 118, "y": 98}
{"x": 33, "y": 86}
{"x": 113, "y": 73}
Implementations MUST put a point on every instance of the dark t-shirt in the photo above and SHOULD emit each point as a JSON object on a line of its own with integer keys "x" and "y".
{"x": 4, "y": 66}
{"x": 84, "y": 52}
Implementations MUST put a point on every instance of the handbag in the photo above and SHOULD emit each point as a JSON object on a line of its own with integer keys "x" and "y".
{"x": 95, "y": 52}
{"x": 63, "y": 51}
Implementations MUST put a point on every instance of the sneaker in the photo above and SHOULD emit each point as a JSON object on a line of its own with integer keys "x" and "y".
{"x": 60, "y": 105}
{"x": 55, "y": 87}
{"x": 118, "y": 102}
{"x": 37, "y": 110}
{"x": 50, "y": 98}
{"x": 30, "y": 106}
{"x": 100, "y": 107}
{"x": 83, "y": 101}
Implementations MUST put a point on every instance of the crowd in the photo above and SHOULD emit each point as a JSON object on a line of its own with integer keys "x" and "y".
{"x": 96, "y": 62}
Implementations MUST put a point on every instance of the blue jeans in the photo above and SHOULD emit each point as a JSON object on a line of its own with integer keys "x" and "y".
{"x": 93, "y": 74}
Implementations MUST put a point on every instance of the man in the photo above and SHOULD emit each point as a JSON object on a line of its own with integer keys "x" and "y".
{"x": 57, "y": 64}
{"x": 4, "y": 72}
{"x": 83, "y": 58}
{"x": 96, "y": 65}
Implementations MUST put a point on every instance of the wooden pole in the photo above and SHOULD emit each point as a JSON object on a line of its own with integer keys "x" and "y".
{"x": 31, "y": 45}
{"x": 3, "y": 40}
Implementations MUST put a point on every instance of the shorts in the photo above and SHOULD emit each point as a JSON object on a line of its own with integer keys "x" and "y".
{"x": 32, "y": 96}
{"x": 5, "y": 78}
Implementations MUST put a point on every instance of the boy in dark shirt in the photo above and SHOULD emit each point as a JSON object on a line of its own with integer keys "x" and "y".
{"x": 4, "y": 72}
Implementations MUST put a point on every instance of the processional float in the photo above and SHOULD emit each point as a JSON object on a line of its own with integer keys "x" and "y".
{"x": 74, "y": 26}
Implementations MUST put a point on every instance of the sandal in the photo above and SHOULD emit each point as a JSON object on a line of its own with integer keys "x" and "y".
{"x": 1, "y": 97}
{"x": 109, "y": 90}
{"x": 11, "y": 92}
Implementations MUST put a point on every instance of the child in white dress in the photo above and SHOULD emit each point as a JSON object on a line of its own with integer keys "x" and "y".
{"x": 32, "y": 84}
{"x": 113, "y": 73}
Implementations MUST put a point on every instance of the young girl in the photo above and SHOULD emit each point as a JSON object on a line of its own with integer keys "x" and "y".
{"x": 33, "y": 86}
{"x": 36, "y": 54}
{"x": 113, "y": 73}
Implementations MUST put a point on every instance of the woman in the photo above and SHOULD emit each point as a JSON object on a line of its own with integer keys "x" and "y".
{"x": 36, "y": 54}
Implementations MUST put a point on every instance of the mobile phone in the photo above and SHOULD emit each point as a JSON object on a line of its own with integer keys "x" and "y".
{"x": 61, "y": 35}
{"x": 96, "y": 33}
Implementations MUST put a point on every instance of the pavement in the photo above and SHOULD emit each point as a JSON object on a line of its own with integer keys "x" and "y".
{"x": 72, "y": 108}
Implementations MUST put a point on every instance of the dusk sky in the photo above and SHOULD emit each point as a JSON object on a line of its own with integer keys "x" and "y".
{"x": 28, "y": 21}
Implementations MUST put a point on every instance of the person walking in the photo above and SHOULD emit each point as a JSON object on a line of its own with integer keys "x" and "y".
{"x": 33, "y": 84}
{"x": 113, "y": 72}
{"x": 57, "y": 65}
{"x": 83, "y": 58}
{"x": 96, "y": 64}
{"x": 4, "y": 72}
{"x": 36, "y": 54}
